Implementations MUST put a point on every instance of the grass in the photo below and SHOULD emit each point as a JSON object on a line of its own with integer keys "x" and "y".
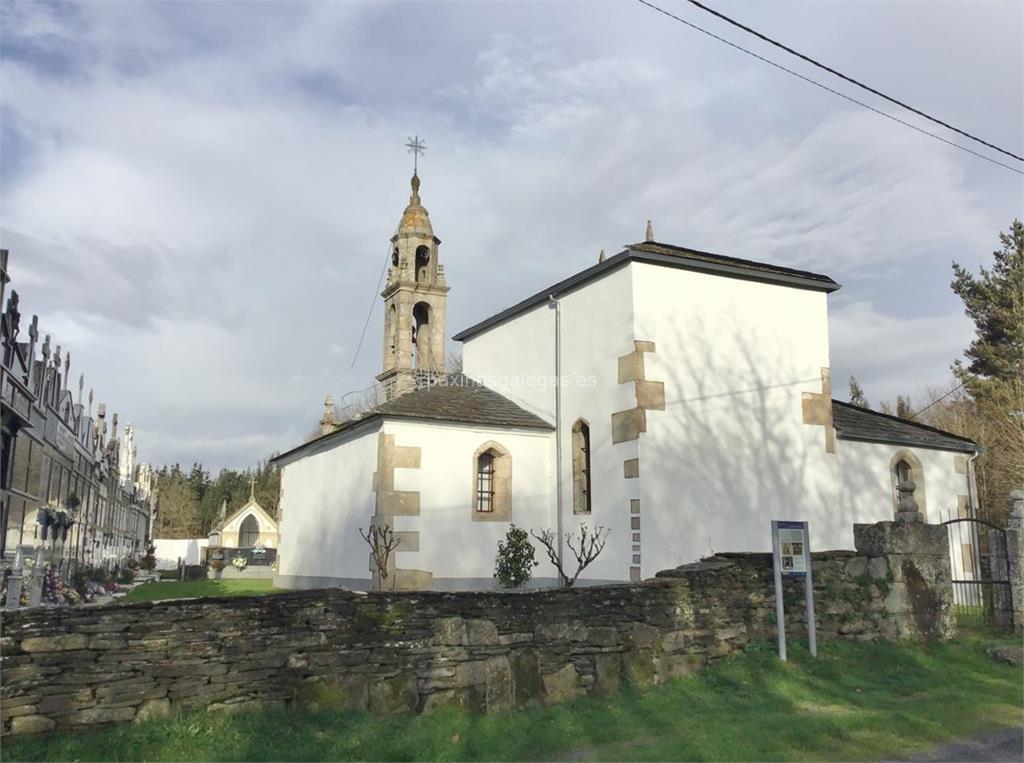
{"x": 855, "y": 702}
{"x": 187, "y": 589}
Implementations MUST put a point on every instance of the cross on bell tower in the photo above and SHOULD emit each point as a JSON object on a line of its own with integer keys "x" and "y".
{"x": 414, "y": 298}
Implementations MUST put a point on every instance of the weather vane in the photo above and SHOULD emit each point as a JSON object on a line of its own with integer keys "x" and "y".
{"x": 416, "y": 147}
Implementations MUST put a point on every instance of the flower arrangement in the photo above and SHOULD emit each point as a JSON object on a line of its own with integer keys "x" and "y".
{"x": 217, "y": 565}
{"x": 240, "y": 563}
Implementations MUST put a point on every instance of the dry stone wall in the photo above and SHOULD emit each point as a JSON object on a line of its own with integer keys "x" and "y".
{"x": 419, "y": 651}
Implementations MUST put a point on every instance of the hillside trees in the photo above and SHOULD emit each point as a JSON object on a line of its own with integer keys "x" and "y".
{"x": 189, "y": 502}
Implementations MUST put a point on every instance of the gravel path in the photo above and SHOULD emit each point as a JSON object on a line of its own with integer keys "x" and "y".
{"x": 1007, "y": 745}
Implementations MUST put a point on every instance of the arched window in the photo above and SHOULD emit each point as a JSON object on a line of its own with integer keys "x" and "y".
{"x": 492, "y": 483}
{"x": 249, "y": 532}
{"x": 485, "y": 481}
{"x": 581, "y": 488}
{"x": 904, "y": 466}
{"x": 422, "y": 261}
{"x": 392, "y": 329}
{"x": 421, "y": 335}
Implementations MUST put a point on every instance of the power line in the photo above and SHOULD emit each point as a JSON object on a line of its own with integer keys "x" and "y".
{"x": 826, "y": 87}
{"x": 937, "y": 400}
{"x": 851, "y": 80}
{"x": 369, "y": 313}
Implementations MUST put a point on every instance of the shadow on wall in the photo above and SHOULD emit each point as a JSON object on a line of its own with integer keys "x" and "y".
{"x": 732, "y": 451}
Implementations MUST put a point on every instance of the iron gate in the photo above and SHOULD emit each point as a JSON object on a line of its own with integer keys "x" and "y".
{"x": 981, "y": 576}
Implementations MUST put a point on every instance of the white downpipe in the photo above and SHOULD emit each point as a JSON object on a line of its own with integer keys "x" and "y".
{"x": 558, "y": 424}
{"x": 972, "y": 486}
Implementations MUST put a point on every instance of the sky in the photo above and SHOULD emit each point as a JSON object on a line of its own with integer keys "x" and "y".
{"x": 198, "y": 197}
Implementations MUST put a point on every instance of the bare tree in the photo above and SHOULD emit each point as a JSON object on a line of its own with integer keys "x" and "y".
{"x": 453, "y": 363}
{"x": 382, "y": 542}
{"x": 591, "y": 543}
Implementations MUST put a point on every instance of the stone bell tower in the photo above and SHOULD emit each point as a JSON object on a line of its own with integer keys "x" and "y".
{"x": 414, "y": 304}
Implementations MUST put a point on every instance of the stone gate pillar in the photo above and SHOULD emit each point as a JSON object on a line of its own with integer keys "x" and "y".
{"x": 1015, "y": 558}
{"x": 919, "y": 581}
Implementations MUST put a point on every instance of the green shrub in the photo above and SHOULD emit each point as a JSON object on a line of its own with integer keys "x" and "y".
{"x": 515, "y": 561}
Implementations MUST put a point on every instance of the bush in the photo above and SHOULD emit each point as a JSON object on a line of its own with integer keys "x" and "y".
{"x": 148, "y": 561}
{"x": 514, "y": 563}
{"x": 126, "y": 576}
{"x": 169, "y": 574}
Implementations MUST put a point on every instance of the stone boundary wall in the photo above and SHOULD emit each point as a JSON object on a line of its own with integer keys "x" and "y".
{"x": 418, "y": 651}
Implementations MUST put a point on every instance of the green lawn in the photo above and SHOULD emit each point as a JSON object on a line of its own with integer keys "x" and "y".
{"x": 187, "y": 589}
{"x": 856, "y": 702}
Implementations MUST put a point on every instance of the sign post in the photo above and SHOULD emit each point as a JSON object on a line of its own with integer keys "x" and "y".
{"x": 791, "y": 558}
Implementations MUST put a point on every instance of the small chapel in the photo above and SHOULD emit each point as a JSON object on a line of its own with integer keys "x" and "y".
{"x": 248, "y": 527}
{"x": 677, "y": 398}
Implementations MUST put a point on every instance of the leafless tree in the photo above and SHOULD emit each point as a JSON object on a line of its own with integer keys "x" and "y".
{"x": 382, "y": 542}
{"x": 453, "y": 363}
{"x": 590, "y": 544}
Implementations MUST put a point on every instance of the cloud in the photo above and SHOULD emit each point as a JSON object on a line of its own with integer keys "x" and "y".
{"x": 893, "y": 355}
{"x": 202, "y": 195}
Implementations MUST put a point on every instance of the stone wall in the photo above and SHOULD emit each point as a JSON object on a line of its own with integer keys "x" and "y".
{"x": 418, "y": 651}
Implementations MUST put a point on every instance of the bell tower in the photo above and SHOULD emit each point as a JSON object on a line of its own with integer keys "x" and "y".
{"x": 414, "y": 302}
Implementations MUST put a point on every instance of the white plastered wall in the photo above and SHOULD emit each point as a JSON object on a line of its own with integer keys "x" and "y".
{"x": 866, "y": 490}
{"x": 326, "y": 496}
{"x": 731, "y": 452}
{"x": 452, "y": 545}
{"x": 170, "y": 550}
{"x": 596, "y": 327}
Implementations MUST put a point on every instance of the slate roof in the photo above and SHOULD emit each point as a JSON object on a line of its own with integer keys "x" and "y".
{"x": 667, "y": 255}
{"x": 460, "y": 399}
{"x": 854, "y": 423}
{"x": 736, "y": 266}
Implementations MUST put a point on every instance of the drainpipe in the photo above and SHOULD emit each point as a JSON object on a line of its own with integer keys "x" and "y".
{"x": 972, "y": 486}
{"x": 558, "y": 423}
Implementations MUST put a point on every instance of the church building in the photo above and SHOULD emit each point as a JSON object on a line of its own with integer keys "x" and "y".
{"x": 680, "y": 399}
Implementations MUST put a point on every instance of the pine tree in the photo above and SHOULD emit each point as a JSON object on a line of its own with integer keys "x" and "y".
{"x": 994, "y": 300}
{"x": 994, "y": 374}
{"x": 857, "y": 394}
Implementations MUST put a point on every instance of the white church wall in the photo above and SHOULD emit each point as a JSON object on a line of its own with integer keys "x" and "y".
{"x": 326, "y": 496}
{"x": 866, "y": 481}
{"x": 730, "y": 451}
{"x": 523, "y": 375}
{"x": 457, "y": 550}
{"x": 596, "y": 327}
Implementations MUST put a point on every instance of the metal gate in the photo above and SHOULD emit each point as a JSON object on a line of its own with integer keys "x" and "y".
{"x": 981, "y": 576}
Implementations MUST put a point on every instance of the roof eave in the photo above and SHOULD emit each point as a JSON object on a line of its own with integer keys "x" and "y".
{"x": 337, "y": 433}
{"x": 964, "y": 447}
{"x": 682, "y": 262}
{"x": 678, "y": 261}
{"x": 559, "y": 289}
{"x": 542, "y": 427}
